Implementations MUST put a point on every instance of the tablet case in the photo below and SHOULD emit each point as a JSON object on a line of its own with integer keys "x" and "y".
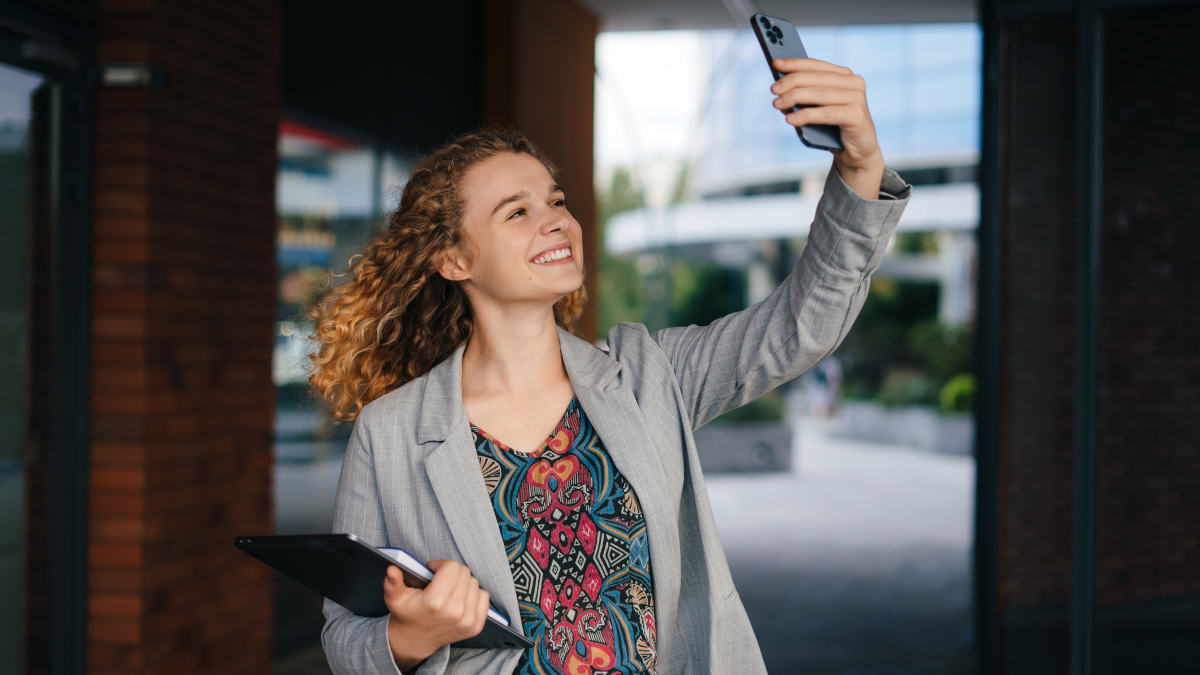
{"x": 344, "y": 569}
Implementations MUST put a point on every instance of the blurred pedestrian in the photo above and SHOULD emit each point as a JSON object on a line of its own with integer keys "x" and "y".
{"x": 826, "y": 387}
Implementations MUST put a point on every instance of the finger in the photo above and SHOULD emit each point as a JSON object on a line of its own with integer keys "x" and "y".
{"x": 819, "y": 79}
{"x": 468, "y": 604}
{"x": 817, "y": 96}
{"x": 445, "y": 574}
{"x": 395, "y": 590}
{"x": 838, "y": 115}
{"x": 482, "y": 602}
{"x": 461, "y": 600}
{"x": 794, "y": 65}
{"x": 393, "y": 581}
{"x": 437, "y": 595}
{"x": 394, "y": 578}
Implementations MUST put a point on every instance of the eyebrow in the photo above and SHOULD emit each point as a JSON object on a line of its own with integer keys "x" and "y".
{"x": 523, "y": 194}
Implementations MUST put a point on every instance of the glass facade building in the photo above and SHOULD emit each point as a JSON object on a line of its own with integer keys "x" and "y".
{"x": 923, "y": 90}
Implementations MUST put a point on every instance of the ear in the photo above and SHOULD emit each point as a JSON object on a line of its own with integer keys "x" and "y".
{"x": 455, "y": 266}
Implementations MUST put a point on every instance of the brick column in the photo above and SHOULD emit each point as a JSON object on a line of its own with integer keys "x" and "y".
{"x": 184, "y": 300}
{"x": 531, "y": 47}
{"x": 1036, "y": 441}
{"x": 1148, "y": 454}
{"x": 1146, "y": 597}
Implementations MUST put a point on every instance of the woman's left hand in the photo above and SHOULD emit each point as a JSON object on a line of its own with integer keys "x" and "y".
{"x": 837, "y": 97}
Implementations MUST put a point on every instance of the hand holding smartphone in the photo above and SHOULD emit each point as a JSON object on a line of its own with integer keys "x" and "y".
{"x": 780, "y": 40}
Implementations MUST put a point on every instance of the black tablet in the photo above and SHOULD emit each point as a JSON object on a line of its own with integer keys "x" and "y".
{"x": 350, "y": 572}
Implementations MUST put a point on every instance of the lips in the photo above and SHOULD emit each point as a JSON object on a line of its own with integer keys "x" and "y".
{"x": 553, "y": 255}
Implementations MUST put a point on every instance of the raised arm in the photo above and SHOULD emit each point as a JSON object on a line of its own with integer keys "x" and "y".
{"x": 743, "y": 355}
{"x": 746, "y": 354}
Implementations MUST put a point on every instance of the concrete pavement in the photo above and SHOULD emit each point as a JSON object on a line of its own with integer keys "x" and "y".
{"x": 855, "y": 562}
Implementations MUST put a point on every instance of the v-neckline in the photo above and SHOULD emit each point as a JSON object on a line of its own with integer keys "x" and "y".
{"x": 536, "y": 452}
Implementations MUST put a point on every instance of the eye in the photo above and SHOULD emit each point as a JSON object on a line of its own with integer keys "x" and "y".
{"x": 514, "y": 214}
{"x": 560, "y": 203}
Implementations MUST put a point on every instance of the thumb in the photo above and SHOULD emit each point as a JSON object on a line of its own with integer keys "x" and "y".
{"x": 394, "y": 580}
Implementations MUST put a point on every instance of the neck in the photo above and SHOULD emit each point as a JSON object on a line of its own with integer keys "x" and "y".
{"x": 514, "y": 353}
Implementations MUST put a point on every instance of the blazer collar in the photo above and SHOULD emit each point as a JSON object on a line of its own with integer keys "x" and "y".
{"x": 442, "y": 392}
{"x": 587, "y": 366}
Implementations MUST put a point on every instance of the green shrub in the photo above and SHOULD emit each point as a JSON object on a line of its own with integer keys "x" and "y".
{"x": 958, "y": 394}
{"x": 881, "y": 339}
{"x": 941, "y": 350}
{"x": 766, "y": 408}
{"x": 907, "y": 386}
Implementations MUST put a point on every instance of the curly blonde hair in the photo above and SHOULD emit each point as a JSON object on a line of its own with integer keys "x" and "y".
{"x": 396, "y": 317}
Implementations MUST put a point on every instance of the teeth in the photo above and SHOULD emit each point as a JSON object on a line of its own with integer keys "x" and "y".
{"x": 553, "y": 255}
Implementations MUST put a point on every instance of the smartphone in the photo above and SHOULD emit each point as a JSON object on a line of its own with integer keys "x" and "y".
{"x": 780, "y": 40}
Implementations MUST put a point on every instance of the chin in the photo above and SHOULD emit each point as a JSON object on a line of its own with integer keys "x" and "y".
{"x": 577, "y": 282}
{"x": 566, "y": 289}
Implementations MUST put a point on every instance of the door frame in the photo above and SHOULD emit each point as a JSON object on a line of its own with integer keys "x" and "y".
{"x": 59, "y": 43}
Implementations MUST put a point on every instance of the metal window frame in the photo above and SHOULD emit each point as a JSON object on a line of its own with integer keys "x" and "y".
{"x": 1088, "y": 157}
{"x": 988, "y": 349}
{"x": 60, "y": 46}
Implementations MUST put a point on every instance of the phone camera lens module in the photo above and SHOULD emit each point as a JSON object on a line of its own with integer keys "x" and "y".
{"x": 764, "y": 21}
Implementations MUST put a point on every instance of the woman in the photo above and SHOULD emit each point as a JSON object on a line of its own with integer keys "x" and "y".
{"x": 518, "y": 458}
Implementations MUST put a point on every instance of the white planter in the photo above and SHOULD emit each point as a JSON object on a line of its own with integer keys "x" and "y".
{"x": 745, "y": 446}
{"x": 913, "y": 426}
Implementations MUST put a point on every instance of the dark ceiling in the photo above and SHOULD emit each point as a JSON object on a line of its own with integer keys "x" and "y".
{"x": 712, "y": 14}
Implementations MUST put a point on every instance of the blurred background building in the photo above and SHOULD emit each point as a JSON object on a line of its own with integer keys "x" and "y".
{"x": 178, "y": 181}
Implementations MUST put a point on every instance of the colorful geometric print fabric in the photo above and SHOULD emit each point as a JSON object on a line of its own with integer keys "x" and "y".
{"x": 580, "y": 556}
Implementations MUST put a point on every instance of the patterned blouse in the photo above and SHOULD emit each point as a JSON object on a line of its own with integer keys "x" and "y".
{"x": 577, "y": 544}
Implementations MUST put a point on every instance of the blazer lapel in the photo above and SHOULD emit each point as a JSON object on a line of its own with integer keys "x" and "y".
{"x": 609, "y": 404}
{"x": 453, "y": 469}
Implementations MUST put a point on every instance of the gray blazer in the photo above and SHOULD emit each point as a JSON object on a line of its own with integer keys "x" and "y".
{"x": 411, "y": 478}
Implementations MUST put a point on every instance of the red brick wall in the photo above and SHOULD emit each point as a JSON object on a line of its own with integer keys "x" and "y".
{"x": 183, "y": 304}
{"x": 1148, "y": 456}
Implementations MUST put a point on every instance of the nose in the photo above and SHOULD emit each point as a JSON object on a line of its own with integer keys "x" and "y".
{"x": 555, "y": 223}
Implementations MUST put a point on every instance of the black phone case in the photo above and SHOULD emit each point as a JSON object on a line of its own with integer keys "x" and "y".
{"x": 780, "y": 40}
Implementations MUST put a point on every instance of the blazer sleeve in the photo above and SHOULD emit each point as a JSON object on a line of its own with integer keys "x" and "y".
{"x": 359, "y": 644}
{"x": 743, "y": 355}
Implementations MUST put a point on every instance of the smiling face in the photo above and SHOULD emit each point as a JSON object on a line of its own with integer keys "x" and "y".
{"x": 522, "y": 245}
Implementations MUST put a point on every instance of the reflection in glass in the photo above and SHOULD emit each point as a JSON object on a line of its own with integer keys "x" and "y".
{"x": 18, "y": 87}
{"x": 332, "y": 193}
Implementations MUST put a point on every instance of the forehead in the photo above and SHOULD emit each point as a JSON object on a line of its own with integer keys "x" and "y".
{"x": 503, "y": 175}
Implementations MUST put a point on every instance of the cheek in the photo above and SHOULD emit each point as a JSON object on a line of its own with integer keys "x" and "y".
{"x": 579, "y": 242}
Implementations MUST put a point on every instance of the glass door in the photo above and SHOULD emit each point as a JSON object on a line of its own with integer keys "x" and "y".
{"x": 47, "y": 92}
{"x": 17, "y": 212}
